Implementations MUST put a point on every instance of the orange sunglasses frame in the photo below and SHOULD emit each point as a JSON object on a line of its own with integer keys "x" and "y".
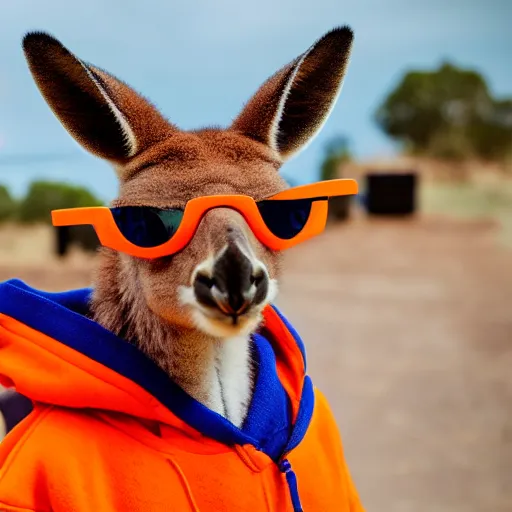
{"x": 109, "y": 235}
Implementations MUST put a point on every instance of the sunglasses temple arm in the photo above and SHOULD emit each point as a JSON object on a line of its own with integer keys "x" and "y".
{"x": 62, "y": 218}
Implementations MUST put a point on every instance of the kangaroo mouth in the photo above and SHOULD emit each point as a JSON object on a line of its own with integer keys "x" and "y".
{"x": 225, "y": 323}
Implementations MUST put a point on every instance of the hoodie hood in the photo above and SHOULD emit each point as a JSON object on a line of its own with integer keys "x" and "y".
{"x": 53, "y": 353}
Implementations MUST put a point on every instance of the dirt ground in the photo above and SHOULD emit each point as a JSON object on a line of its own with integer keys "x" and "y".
{"x": 408, "y": 327}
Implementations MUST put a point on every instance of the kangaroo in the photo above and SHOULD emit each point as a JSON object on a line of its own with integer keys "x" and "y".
{"x": 194, "y": 314}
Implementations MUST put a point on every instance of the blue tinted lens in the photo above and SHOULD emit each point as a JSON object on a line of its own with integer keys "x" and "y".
{"x": 285, "y": 218}
{"x": 147, "y": 227}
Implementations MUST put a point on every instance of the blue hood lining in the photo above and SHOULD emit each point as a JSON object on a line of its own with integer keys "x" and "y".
{"x": 63, "y": 317}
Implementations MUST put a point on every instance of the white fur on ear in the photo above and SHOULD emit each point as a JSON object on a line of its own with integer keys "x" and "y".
{"x": 274, "y": 129}
{"x": 129, "y": 137}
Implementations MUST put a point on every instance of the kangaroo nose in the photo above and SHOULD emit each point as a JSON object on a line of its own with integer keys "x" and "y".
{"x": 235, "y": 284}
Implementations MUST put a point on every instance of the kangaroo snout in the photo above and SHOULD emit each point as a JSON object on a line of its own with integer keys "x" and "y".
{"x": 236, "y": 284}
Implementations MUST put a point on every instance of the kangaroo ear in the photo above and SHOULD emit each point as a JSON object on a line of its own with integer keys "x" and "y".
{"x": 102, "y": 113}
{"x": 290, "y": 107}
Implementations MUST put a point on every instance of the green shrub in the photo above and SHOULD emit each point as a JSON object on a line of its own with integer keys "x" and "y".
{"x": 44, "y": 196}
{"x": 337, "y": 152}
{"x": 8, "y": 205}
{"x": 449, "y": 112}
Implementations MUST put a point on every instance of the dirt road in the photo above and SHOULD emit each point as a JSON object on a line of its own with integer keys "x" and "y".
{"x": 409, "y": 332}
{"x": 408, "y": 327}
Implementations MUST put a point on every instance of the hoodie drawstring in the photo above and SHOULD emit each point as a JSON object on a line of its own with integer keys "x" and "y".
{"x": 291, "y": 478}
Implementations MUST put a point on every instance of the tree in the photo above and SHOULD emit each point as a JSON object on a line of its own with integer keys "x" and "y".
{"x": 337, "y": 152}
{"x": 448, "y": 112}
{"x": 492, "y": 137}
{"x": 8, "y": 205}
{"x": 43, "y": 197}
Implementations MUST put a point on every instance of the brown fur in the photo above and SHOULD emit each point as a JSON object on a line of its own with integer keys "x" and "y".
{"x": 159, "y": 165}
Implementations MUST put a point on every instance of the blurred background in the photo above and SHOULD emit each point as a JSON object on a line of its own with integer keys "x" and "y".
{"x": 405, "y": 303}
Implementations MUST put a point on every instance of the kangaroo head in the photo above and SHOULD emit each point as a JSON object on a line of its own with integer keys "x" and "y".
{"x": 220, "y": 282}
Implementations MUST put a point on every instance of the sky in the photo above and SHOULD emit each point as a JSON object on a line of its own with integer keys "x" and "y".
{"x": 199, "y": 61}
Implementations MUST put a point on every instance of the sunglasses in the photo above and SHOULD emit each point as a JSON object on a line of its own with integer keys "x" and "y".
{"x": 279, "y": 222}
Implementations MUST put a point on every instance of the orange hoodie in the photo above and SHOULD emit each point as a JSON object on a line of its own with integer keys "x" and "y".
{"x": 111, "y": 432}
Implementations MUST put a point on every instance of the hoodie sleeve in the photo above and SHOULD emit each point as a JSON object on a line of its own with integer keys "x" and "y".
{"x": 329, "y": 439}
